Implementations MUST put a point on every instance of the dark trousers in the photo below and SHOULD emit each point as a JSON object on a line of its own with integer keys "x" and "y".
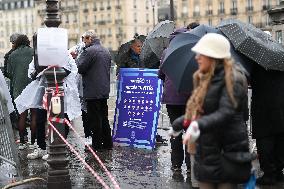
{"x": 87, "y": 130}
{"x": 271, "y": 154}
{"x": 98, "y": 123}
{"x": 178, "y": 153}
{"x": 40, "y": 125}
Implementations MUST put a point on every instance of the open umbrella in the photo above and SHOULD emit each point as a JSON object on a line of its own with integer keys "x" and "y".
{"x": 254, "y": 44}
{"x": 179, "y": 62}
{"x": 156, "y": 41}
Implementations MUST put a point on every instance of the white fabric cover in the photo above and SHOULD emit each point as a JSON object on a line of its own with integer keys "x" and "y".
{"x": 6, "y": 93}
{"x": 32, "y": 95}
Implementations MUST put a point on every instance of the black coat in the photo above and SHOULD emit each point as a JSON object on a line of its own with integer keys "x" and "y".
{"x": 126, "y": 61}
{"x": 94, "y": 64}
{"x": 267, "y": 102}
{"x": 222, "y": 127}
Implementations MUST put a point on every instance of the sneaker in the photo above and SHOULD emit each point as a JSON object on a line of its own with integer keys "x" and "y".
{"x": 37, "y": 153}
{"x": 45, "y": 157}
{"x": 88, "y": 141}
{"x": 33, "y": 146}
{"x": 22, "y": 146}
{"x": 159, "y": 139}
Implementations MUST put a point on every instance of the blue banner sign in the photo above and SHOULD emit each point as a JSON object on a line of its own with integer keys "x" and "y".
{"x": 137, "y": 108}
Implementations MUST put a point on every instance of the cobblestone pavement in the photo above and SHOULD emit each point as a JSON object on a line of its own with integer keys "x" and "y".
{"x": 133, "y": 168}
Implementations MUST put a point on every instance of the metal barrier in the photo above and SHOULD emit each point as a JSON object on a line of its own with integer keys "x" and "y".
{"x": 9, "y": 160}
{"x": 113, "y": 81}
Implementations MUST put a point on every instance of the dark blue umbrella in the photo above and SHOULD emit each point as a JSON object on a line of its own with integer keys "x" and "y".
{"x": 179, "y": 62}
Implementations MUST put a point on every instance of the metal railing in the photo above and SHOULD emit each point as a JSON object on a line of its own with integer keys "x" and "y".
{"x": 9, "y": 160}
{"x": 113, "y": 81}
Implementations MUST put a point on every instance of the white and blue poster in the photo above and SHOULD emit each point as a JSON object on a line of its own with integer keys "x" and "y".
{"x": 137, "y": 108}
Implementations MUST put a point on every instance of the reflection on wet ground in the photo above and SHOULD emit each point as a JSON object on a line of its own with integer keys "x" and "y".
{"x": 132, "y": 168}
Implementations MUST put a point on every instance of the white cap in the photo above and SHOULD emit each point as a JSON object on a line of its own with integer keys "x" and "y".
{"x": 213, "y": 45}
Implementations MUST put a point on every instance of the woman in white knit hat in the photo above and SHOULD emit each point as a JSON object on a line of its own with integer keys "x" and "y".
{"x": 214, "y": 116}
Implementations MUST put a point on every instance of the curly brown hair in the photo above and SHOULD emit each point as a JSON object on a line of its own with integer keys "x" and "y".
{"x": 22, "y": 40}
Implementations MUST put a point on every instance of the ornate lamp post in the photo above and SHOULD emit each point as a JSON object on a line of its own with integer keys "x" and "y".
{"x": 58, "y": 174}
{"x": 153, "y": 3}
{"x": 277, "y": 17}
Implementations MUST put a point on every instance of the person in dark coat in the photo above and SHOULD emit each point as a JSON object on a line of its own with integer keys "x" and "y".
{"x": 94, "y": 65}
{"x": 14, "y": 115}
{"x": 268, "y": 122}
{"x": 214, "y": 116}
{"x": 131, "y": 59}
{"x": 17, "y": 71}
{"x": 175, "y": 104}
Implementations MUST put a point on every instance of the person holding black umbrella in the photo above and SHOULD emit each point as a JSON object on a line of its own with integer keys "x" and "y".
{"x": 175, "y": 104}
{"x": 131, "y": 59}
{"x": 214, "y": 117}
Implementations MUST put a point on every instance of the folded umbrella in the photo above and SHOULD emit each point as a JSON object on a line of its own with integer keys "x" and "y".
{"x": 254, "y": 44}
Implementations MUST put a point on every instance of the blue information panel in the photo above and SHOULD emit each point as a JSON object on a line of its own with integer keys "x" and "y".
{"x": 137, "y": 108}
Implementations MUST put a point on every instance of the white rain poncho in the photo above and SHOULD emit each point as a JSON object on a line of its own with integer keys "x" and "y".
{"x": 79, "y": 49}
{"x": 6, "y": 93}
{"x": 32, "y": 95}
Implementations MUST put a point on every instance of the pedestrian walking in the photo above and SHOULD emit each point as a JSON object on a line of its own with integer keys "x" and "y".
{"x": 214, "y": 117}
{"x": 17, "y": 71}
{"x": 94, "y": 65}
{"x": 268, "y": 122}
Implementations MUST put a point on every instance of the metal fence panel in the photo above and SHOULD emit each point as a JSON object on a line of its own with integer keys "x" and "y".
{"x": 9, "y": 160}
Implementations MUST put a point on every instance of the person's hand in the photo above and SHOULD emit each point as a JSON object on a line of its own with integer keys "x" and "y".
{"x": 178, "y": 123}
{"x": 192, "y": 133}
{"x": 174, "y": 133}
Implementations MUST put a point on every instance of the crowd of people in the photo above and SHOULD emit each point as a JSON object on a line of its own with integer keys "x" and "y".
{"x": 212, "y": 117}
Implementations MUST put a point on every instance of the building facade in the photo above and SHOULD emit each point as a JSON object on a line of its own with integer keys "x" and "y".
{"x": 15, "y": 16}
{"x": 212, "y": 12}
{"x": 69, "y": 13}
{"x": 116, "y": 21}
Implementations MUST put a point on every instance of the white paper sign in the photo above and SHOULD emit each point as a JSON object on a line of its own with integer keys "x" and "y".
{"x": 52, "y": 46}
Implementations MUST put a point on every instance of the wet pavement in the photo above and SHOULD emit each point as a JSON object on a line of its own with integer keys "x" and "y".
{"x": 132, "y": 168}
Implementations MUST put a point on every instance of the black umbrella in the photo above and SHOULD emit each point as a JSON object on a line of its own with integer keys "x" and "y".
{"x": 254, "y": 44}
{"x": 124, "y": 48}
{"x": 156, "y": 41}
{"x": 179, "y": 62}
